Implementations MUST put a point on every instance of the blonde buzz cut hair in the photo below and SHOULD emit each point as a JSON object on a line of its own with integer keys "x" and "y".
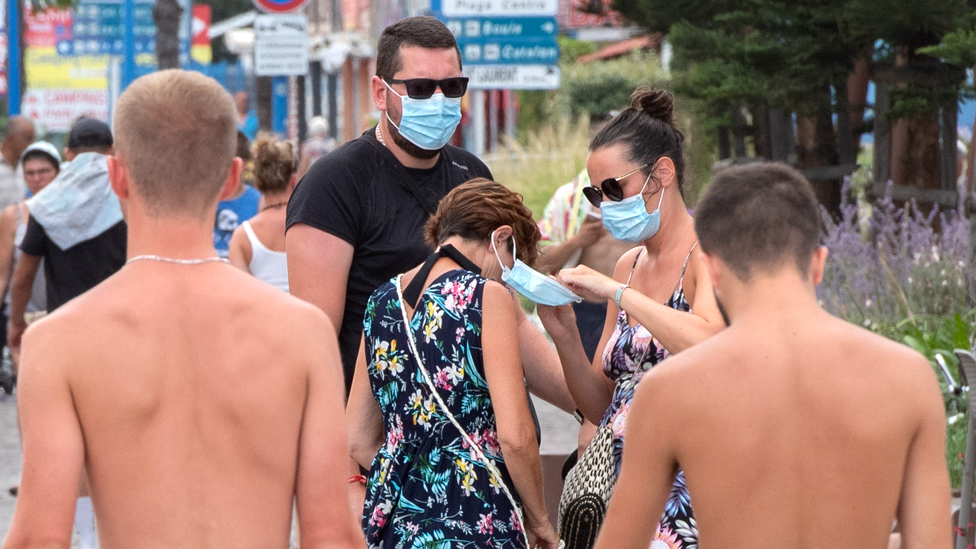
{"x": 176, "y": 133}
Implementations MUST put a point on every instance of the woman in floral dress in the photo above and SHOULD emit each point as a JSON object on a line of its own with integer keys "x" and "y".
{"x": 428, "y": 483}
{"x": 660, "y": 297}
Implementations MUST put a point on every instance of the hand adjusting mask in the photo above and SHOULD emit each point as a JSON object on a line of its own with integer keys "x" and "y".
{"x": 532, "y": 284}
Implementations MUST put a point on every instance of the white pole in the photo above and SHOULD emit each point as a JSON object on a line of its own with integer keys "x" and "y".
{"x": 478, "y": 128}
{"x": 510, "y": 121}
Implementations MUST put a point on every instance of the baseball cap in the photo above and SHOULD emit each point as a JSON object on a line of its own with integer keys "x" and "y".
{"x": 44, "y": 147}
{"x": 90, "y": 132}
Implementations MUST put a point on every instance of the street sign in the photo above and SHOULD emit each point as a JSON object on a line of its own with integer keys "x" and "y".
{"x": 280, "y": 45}
{"x": 279, "y": 6}
{"x": 511, "y": 52}
{"x": 473, "y": 29}
{"x": 509, "y": 8}
{"x": 515, "y": 77}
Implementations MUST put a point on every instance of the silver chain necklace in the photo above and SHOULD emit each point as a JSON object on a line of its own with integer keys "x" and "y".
{"x": 149, "y": 257}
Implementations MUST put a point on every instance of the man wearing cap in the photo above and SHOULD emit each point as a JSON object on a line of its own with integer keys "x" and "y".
{"x": 17, "y": 136}
{"x": 75, "y": 226}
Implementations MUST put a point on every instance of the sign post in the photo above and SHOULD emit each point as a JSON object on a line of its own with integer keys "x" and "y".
{"x": 13, "y": 48}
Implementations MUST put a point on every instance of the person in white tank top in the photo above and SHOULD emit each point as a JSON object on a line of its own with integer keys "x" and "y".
{"x": 258, "y": 245}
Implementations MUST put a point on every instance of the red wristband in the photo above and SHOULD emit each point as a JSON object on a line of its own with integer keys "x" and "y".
{"x": 357, "y": 478}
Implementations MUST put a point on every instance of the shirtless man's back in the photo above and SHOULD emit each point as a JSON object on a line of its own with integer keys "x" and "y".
{"x": 794, "y": 428}
{"x": 201, "y": 402}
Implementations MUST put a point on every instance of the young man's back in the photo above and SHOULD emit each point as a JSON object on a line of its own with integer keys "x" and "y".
{"x": 793, "y": 428}
{"x": 805, "y": 436}
{"x": 202, "y": 402}
{"x": 191, "y": 393}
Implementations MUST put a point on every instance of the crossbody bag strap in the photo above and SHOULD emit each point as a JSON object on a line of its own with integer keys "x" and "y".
{"x": 476, "y": 450}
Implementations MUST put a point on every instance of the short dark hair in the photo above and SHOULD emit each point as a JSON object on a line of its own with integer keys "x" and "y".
{"x": 41, "y": 155}
{"x": 474, "y": 209}
{"x": 756, "y": 217}
{"x": 423, "y": 31}
{"x": 647, "y": 130}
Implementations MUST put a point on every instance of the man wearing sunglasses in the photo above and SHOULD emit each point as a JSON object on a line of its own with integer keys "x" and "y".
{"x": 357, "y": 217}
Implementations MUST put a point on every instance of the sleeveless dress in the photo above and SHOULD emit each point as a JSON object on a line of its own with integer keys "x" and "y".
{"x": 425, "y": 488}
{"x": 629, "y": 354}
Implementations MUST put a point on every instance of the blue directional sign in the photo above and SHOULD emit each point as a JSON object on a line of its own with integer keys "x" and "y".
{"x": 473, "y": 29}
{"x": 504, "y": 43}
{"x": 543, "y": 51}
{"x": 97, "y": 29}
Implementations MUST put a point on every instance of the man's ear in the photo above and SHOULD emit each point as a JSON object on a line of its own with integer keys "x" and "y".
{"x": 818, "y": 264}
{"x": 233, "y": 180}
{"x": 378, "y": 91}
{"x": 715, "y": 268}
{"x": 118, "y": 177}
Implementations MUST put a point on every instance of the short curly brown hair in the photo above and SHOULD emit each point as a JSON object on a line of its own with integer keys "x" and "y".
{"x": 476, "y": 208}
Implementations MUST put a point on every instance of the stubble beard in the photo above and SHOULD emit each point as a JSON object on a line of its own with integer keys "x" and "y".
{"x": 405, "y": 144}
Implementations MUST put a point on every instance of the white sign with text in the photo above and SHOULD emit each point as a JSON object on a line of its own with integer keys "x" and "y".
{"x": 281, "y": 45}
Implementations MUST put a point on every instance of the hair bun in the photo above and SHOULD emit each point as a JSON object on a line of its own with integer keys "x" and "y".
{"x": 654, "y": 103}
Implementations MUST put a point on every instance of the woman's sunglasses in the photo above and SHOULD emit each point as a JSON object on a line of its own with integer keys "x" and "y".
{"x": 610, "y": 188}
{"x": 423, "y": 88}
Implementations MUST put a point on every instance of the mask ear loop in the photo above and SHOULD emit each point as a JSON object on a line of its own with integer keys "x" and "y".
{"x": 495, "y": 249}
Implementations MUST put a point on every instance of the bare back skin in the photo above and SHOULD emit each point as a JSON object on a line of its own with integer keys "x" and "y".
{"x": 195, "y": 387}
{"x": 794, "y": 429}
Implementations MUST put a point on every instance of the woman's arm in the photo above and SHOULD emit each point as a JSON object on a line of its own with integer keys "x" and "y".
{"x": 8, "y": 230}
{"x": 590, "y": 387}
{"x": 516, "y": 433}
{"x": 239, "y": 250}
{"x": 364, "y": 420}
{"x": 675, "y": 330}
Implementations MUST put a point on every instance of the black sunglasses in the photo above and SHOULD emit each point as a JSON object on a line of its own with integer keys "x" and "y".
{"x": 423, "y": 88}
{"x": 610, "y": 188}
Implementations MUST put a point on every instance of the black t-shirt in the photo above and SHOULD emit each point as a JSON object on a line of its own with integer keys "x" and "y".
{"x": 81, "y": 267}
{"x": 362, "y": 194}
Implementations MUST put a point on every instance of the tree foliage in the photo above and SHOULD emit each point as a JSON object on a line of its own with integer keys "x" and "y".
{"x": 793, "y": 54}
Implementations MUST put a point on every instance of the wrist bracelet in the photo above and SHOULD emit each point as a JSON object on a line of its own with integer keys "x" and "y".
{"x": 357, "y": 478}
{"x": 620, "y": 292}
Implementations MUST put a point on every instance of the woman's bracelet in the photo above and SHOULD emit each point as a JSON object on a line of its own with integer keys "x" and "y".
{"x": 361, "y": 479}
{"x": 620, "y": 292}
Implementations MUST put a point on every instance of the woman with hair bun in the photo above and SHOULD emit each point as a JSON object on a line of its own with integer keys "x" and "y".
{"x": 660, "y": 300}
{"x": 258, "y": 244}
{"x": 438, "y": 409}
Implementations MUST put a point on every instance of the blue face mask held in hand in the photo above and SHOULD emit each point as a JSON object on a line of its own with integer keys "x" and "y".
{"x": 427, "y": 123}
{"x": 628, "y": 220}
{"x": 532, "y": 284}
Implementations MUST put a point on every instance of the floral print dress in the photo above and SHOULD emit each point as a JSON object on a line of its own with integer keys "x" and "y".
{"x": 629, "y": 354}
{"x": 426, "y": 489}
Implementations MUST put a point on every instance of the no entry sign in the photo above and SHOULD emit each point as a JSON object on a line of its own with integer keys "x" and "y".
{"x": 279, "y": 6}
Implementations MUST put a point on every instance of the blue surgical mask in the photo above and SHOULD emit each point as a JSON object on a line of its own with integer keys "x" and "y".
{"x": 532, "y": 284}
{"x": 427, "y": 123}
{"x": 628, "y": 220}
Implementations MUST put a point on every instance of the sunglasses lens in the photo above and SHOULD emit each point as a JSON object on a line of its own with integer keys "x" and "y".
{"x": 612, "y": 189}
{"x": 594, "y": 195}
{"x": 454, "y": 87}
{"x": 420, "y": 88}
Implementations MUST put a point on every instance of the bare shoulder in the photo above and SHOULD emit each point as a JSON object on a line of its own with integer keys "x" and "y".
{"x": 626, "y": 263}
{"x": 498, "y": 295}
{"x": 872, "y": 351}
